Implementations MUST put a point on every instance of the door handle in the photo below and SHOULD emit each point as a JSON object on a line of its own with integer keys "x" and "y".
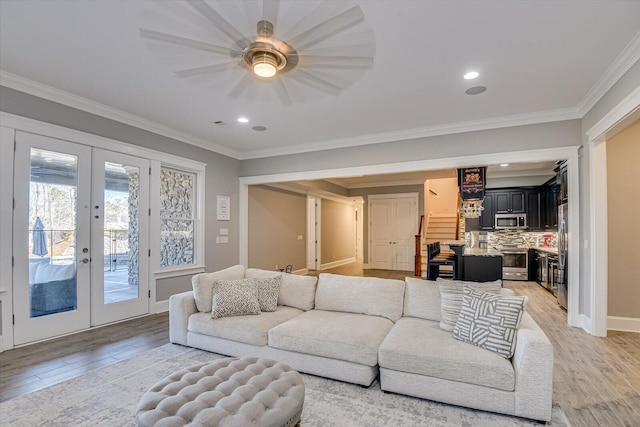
{"x": 84, "y": 260}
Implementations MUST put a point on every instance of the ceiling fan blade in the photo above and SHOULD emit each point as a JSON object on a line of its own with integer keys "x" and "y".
{"x": 206, "y": 69}
{"x": 270, "y": 11}
{"x": 319, "y": 61}
{"x": 316, "y": 82}
{"x": 282, "y": 92}
{"x": 327, "y": 29}
{"x": 196, "y": 44}
{"x": 222, "y": 24}
{"x": 241, "y": 85}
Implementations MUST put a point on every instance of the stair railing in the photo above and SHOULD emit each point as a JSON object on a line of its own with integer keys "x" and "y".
{"x": 417, "y": 259}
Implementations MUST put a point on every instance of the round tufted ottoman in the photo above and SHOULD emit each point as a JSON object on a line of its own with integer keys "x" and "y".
{"x": 226, "y": 392}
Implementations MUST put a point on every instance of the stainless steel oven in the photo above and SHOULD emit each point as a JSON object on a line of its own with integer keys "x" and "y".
{"x": 515, "y": 263}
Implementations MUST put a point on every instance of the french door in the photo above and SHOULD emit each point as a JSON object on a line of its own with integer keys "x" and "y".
{"x": 119, "y": 237}
{"x": 80, "y": 237}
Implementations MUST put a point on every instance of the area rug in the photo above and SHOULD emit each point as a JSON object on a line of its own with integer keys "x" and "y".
{"x": 108, "y": 397}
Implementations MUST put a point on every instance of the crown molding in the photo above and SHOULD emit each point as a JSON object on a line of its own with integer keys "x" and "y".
{"x": 406, "y": 134}
{"x": 22, "y": 84}
{"x": 623, "y": 62}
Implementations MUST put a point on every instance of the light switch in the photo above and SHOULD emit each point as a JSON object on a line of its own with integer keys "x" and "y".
{"x": 224, "y": 239}
{"x": 299, "y": 236}
{"x": 224, "y": 231}
{"x": 218, "y": 239}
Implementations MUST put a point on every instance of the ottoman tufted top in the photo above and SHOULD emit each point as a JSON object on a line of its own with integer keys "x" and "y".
{"x": 226, "y": 392}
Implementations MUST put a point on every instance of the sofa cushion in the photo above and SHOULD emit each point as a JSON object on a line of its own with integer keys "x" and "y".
{"x": 203, "y": 283}
{"x": 451, "y": 298}
{"x": 248, "y": 329}
{"x": 422, "y": 299}
{"x": 343, "y": 336}
{"x": 295, "y": 290}
{"x": 490, "y": 321}
{"x": 364, "y": 295}
{"x": 419, "y": 346}
{"x": 234, "y": 298}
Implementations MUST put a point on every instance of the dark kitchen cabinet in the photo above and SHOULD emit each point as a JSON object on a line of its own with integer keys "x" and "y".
{"x": 512, "y": 201}
{"x": 549, "y": 205}
{"x": 563, "y": 182}
{"x": 534, "y": 213}
{"x": 486, "y": 216}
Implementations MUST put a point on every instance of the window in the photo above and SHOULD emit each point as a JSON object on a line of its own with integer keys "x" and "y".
{"x": 177, "y": 217}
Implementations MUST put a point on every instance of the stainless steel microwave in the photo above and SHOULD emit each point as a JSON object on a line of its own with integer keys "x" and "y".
{"x": 515, "y": 220}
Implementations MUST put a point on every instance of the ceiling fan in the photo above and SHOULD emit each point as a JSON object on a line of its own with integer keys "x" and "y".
{"x": 293, "y": 47}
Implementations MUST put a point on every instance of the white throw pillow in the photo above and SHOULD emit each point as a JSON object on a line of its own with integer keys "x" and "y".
{"x": 295, "y": 291}
{"x": 451, "y": 292}
{"x": 490, "y": 321}
{"x": 234, "y": 298}
{"x": 203, "y": 284}
{"x": 53, "y": 272}
{"x": 33, "y": 268}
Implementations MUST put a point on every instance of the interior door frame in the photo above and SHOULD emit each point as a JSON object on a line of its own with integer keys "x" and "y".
{"x": 29, "y": 329}
{"x": 313, "y": 227}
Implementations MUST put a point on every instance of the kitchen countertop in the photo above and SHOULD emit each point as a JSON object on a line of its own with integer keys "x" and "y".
{"x": 489, "y": 252}
{"x": 547, "y": 249}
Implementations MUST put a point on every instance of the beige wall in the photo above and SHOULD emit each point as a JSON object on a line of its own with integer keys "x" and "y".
{"x": 338, "y": 231}
{"x": 441, "y": 196}
{"x": 623, "y": 193}
{"x": 276, "y": 219}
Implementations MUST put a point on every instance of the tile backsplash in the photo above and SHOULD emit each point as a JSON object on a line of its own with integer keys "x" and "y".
{"x": 519, "y": 237}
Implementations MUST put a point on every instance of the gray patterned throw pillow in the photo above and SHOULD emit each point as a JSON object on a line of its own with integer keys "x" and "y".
{"x": 234, "y": 298}
{"x": 490, "y": 321}
{"x": 268, "y": 291}
{"x": 451, "y": 298}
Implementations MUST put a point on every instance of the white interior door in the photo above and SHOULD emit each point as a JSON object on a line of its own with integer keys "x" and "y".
{"x": 381, "y": 229}
{"x": 405, "y": 223}
{"x": 120, "y": 240}
{"x": 393, "y": 224}
{"x": 51, "y": 239}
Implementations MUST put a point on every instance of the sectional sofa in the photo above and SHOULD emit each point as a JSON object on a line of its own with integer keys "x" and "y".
{"x": 357, "y": 329}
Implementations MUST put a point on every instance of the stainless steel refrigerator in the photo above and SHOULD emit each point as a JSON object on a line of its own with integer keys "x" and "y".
{"x": 563, "y": 246}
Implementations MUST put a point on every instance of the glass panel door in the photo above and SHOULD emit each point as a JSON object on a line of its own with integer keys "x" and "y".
{"x": 51, "y": 237}
{"x": 120, "y": 217}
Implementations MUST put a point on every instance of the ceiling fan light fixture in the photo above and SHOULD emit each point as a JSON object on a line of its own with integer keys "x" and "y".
{"x": 264, "y": 64}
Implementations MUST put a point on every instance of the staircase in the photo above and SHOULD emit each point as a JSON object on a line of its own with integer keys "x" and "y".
{"x": 439, "y": 227}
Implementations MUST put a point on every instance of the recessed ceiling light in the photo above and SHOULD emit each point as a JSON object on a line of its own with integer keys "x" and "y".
{"x": 471, "y": 75}
{"x": 475, "y": 90}
{"x": 504, "y": 165}
{"x": 243, "y": 120}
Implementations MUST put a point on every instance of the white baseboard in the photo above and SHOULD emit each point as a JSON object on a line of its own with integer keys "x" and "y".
{"x": 335, "y": 264}
{"x": 161, "y": 306}
{"x": 301, "y": 272}
{"x": 627, "y": 324}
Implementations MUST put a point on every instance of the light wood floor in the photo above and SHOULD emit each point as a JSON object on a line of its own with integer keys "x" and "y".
{"x": 596, "y": 380}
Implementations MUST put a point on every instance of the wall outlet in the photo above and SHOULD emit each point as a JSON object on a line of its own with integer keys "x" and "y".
{"x": 224, "y": 239}
{"x": 299, "y": 236}
{"x": 224, "y": 231}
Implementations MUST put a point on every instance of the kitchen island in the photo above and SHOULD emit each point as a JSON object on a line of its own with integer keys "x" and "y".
{"x": 481, "y": 265}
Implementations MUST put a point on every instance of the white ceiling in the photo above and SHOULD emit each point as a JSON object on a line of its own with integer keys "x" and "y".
{"x": 540, "y": 60}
